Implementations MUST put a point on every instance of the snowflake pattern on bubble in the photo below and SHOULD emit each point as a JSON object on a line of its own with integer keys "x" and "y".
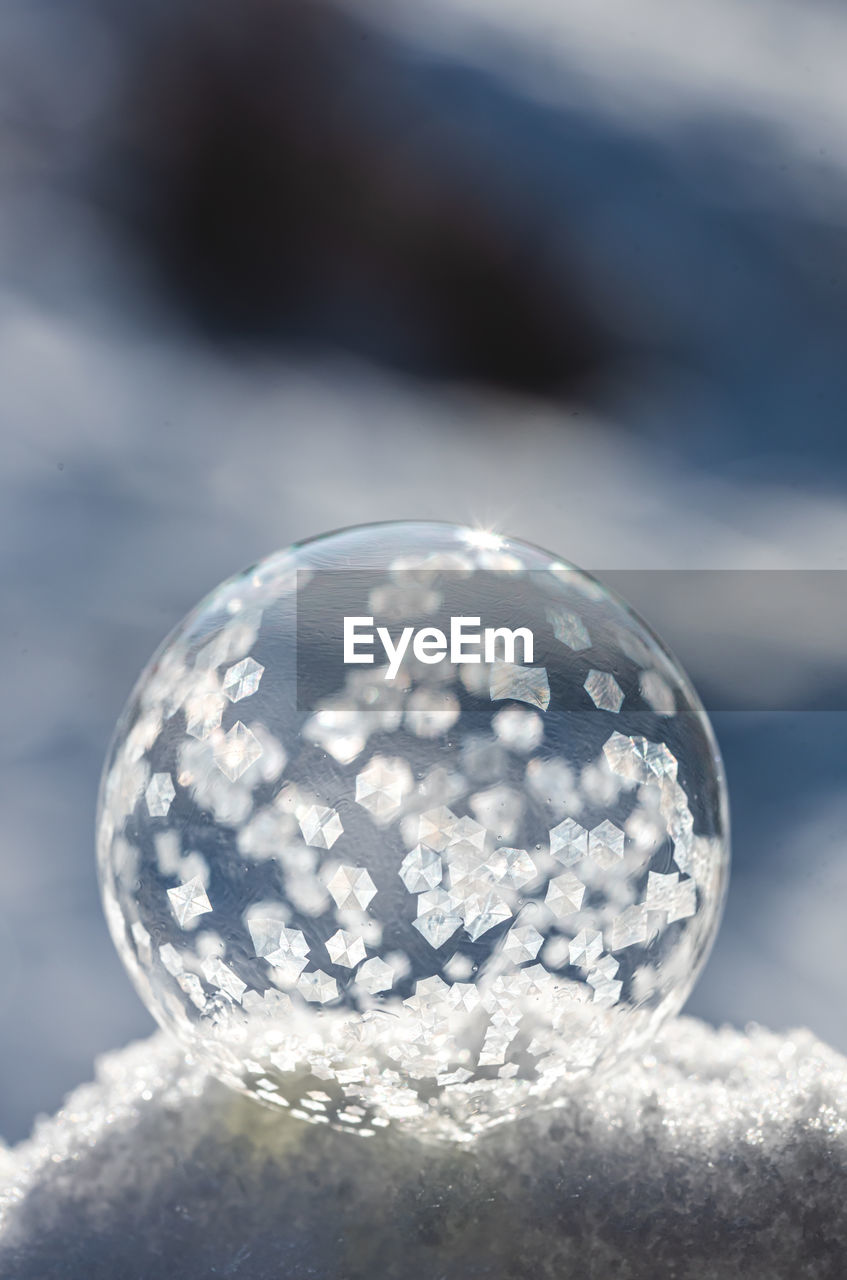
{"x": 435, "y": 898}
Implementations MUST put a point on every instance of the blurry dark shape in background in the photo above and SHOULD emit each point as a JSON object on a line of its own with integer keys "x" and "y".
{"x": 284, "y": 171}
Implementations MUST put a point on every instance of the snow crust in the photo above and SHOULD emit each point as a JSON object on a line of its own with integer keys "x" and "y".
{"x": 718, "y": 1155}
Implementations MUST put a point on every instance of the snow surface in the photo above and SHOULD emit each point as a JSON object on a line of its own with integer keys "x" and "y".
{"x": 719, "y": 1155}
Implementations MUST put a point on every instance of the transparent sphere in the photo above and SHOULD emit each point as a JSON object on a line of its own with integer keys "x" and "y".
{"x": 431, "y": 883}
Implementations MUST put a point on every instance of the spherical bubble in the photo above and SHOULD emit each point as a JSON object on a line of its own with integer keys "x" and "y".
{"x": 420, "y": 888}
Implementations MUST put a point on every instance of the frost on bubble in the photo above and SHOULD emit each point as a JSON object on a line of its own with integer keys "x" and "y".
{"x": 375, "y": 976}
{"x": 564, "y": 894}
{"x": 421, "y": 869}
{"x": 321, "y": 826}
{"x": 345, "y": 949}
{"x": 570, "y": 629}
{"x": 525, "y": 684}
{"x": 518, "y": 729}
{"x": 604, "y": 691}
{"x": 351, "y": 887}
{"x": 439, "y": 899}
{"x": 237, "y": 751}
{"x": 568, "y": 842}
{"x": 242, "y": 680}
{"x": 189, "y": 901}
{"x": 382, "y": 787}
{"x": 523, "y": 943}
{"x": 159, "y": 795}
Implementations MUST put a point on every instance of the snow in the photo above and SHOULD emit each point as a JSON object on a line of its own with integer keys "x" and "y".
{"x": 720, "y": 1154}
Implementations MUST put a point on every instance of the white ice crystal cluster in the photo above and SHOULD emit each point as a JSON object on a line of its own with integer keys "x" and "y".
{"x": 719, "y": 1155}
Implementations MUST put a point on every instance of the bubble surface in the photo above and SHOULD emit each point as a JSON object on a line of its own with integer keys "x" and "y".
{"x": 424, "y": 888}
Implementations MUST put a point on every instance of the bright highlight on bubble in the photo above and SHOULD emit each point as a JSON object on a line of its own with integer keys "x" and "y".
{"x": 435, "y": 898}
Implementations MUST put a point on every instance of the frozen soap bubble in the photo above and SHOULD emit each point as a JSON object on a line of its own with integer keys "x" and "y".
{"x": 416, "y": 888}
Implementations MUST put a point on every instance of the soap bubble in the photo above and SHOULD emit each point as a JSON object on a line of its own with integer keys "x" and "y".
{"x": 415, "y": 888}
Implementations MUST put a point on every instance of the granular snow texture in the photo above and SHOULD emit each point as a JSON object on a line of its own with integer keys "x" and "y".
{"x": 719, "y": 1155}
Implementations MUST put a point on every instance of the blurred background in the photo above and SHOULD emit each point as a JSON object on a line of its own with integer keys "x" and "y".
{"x": 576, "y": 272}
